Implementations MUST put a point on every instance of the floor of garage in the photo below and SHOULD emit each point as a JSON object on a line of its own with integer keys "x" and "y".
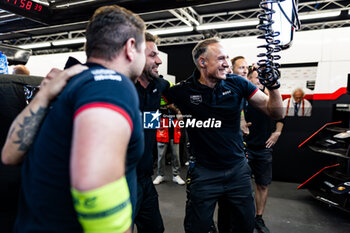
{"x": 288, "y": 210}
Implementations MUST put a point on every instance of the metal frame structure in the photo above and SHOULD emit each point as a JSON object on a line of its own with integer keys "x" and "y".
{"x": 186, "y": 17}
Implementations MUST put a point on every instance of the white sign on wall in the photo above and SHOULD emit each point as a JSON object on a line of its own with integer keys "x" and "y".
{"x": 297, "y": 77}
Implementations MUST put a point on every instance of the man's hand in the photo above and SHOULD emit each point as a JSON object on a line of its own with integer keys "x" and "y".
{"x": 57, "y": 79}
{"x": 272, "y": 139}
{"x": 20, "y": 136}
{"x": 245, "y": 127}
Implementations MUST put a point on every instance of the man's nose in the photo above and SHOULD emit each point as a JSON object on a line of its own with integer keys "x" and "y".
{"x": 225, "y": 64}
{"x": 158, "y": 61}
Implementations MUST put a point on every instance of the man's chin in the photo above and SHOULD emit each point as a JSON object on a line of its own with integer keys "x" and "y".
{"x": 154, "y": 76}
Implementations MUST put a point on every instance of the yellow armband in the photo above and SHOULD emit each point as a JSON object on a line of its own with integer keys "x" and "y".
{"x": 106, "y": 209}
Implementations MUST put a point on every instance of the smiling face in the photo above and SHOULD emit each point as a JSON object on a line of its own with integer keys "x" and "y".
{"x": 153, "y": 61}
{"x": 215, "y": 61}
{"x": 240, "y": 67}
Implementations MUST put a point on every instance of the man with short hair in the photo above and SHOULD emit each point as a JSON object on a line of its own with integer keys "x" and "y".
{"x": 239, "y": 66}
{"x": 220, "y": 165}
{"x": 150, "y": 88}
{"x": 75, "y": 176}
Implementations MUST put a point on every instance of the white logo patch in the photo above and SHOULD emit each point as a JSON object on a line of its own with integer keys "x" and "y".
{"x": 226, "y": 92}
{"x": 106, "y": 75}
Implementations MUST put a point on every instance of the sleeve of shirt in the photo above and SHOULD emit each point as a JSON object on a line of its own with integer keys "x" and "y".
{"x": 117, "y": 94}
{"x": 169, "y": 95}
{"x": 250, "y": 89}
{"x": 247, "y": 88}
{"x": 166, "y": 84}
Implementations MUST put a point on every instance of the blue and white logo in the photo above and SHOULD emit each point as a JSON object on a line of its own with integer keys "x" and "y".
{"x": 3, "y": 64}
{"x": 151, "y": 120}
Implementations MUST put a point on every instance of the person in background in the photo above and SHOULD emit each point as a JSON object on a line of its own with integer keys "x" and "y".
{"x": 20, "y": 69}
{"x": 169, "y": 134}
{"x": 259, "y": 146}
{"x": 297, "y": 105}
{"x": 74, "y": 159}
{"x": 239, "y": 66}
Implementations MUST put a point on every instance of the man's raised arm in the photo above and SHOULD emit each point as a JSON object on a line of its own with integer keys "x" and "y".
{"x": 270, "y": 104}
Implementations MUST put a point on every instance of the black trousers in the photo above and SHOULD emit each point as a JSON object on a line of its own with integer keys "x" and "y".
{"x": 207, "y": 186}
{"x": 148, "y": 218}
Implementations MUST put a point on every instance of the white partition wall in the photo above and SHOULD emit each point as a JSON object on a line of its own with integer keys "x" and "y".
{"x": 40, "y": 65}
{"x": 330, "y": 48}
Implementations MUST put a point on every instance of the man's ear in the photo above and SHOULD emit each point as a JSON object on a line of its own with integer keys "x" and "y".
{"x": 130, "y": 49}
{"x": 201, "y": 62}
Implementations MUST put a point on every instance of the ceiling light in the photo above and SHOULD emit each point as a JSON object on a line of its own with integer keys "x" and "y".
{"x": 74, "y": 3}
{"x": 69, "y": 41}
{"x": 5, "y": 16}
{"x": 43, "y": 2}
{"x": 231, "y": 24}
{"x": 319, "y": 15}
{"x": 170, "y": 30}
{"x": 35, "y": 45}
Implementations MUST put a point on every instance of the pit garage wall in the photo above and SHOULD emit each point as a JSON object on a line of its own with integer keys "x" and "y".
{"x": 42, "y": 64}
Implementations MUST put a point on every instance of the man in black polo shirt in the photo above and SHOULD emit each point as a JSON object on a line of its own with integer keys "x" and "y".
{"x": 221, "y": 169}
{"x": 150, "y": 88}
{"x": 75, "y": 177}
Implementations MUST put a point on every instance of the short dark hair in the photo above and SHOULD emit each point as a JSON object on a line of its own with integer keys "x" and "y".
{"x": 233, "y": 60}
{"x": 202, "y": 47}
{"x": 251, "y": 69}
{"x": 151, "y": 38}
{"x": 109, "y": 29}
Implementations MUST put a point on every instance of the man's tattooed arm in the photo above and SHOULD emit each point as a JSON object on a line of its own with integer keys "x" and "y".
{"x": 23, "y": 131}
{"x": 29, "y": 127}
{"x": 25, "y": 127}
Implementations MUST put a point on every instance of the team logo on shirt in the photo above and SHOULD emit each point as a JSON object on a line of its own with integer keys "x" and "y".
{"x": 196, "y": 99}
{"x": 226, "y": 92}
{"x": 151, "y": 120}
{"x": 103, "y": 74}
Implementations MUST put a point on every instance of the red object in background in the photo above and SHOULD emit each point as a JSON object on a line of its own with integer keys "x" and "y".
{"x": 334, "y": 165}
{"x": 330, "y": 123}
{"x": 323, "y": 96}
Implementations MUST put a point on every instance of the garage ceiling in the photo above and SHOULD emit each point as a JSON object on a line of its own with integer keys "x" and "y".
{"x": 32, "y": 23}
